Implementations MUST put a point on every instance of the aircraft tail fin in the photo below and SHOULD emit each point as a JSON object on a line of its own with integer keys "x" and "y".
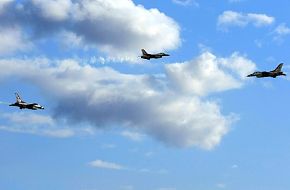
{"x": 18, "y": 98}
{"x": 278, "y": 68}
{"x": 144, "y": 52}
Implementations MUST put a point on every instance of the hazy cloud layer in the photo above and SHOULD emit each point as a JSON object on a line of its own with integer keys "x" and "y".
{"x": 232, "y": 18}
{"x": 118, "y": 28}
{"x": 166, "y": 107}
{"x": 36, "y": 124}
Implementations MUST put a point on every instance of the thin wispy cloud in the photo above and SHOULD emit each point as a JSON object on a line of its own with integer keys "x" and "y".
{"x": 56, "y": 133}
{"x": 282, "y": 29}
{"x": 221, "y": 185}
{"x": 36, "y": 124}
{"x": 106, "y": 165}
{"x": 108, "y": 146}
{"x": 151, "y": 171}
{"x": 133, "y": 135}
{"x": 149, "y": 154}
{"x": 235, "y": 166}
{"x": 280, "y": 33}
{"x": 186, "y": 2}
{"x": 232, "y": 18}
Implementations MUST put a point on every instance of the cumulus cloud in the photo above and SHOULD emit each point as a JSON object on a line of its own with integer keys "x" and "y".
{"x": 55, "y": 10}
{"x": 231, "y": 18}
{"x": 105, "y": 165}
{"x": 167, "y": 107}
{"x": 12, "y": 40}
{"x": 118, "y": 28}
{"x": 208, "y": 74}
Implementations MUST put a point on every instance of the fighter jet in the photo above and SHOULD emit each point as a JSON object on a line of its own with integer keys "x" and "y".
{"x": 148, "y": 56}
{"x": 23, "y": 105}
{"x": 274, "y": 73}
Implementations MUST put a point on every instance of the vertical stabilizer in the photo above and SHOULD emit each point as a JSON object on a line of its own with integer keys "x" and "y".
{"x": 18, "y": 98}
{"x": 144, "y": 52}
{"x": 279, "y": 68}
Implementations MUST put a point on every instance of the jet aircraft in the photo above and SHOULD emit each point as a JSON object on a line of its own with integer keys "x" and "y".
{"x": 148, "y": 56}
{"x": 274, "y": 73}
{"x": 23, "y": 105}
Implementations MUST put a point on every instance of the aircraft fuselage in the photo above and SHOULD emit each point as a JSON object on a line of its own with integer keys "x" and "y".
{"x": 22, "y": 105}
{"x": 266, "y": 74}
{"x": 153, "y": 56}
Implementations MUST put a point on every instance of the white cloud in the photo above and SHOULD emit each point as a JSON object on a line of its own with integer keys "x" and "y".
{"x": 150, "y": 171}
{"x": 36, "y": 124}
{"x": 231, "y": 18}
{"x": 133, "y": 135}
{"x": 28, "y": 119}
{"x": 208, "y": 74}
{"x": 108, "y": 146}
{"x": 260, "y": 19}
{"x": 71, "y": 40}
{"x": 117, "y": 28}
{"x": 12, "y": 40}
{"x": 55, "y": 10}
{"x": 186, "y": 2}
{"x": 35, "y": 130}
{"x": 282, "y": 29}
{"x": 167, "y": 107}
{"x": 105, "y": 165}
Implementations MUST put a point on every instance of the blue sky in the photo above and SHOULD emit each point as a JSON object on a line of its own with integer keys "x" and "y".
{"x": 115, "y": 122}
